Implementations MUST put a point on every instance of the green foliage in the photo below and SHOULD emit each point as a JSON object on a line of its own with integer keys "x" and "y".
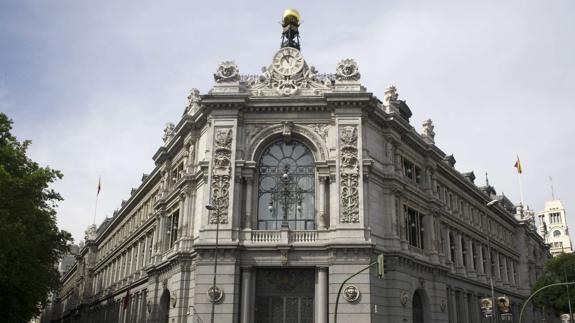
{"x": 557, "y": 270}
{"x": 30, "y": 242}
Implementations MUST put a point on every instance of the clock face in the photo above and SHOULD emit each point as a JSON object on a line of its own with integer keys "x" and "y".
{"x": 288, "y": 61}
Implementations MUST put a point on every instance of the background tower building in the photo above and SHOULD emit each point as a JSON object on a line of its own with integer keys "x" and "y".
{"x": 553, "y": 227}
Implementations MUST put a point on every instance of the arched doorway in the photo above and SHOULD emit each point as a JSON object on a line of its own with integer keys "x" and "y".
{"x": 417, "y": 308}
{"x": 164, "y": 311}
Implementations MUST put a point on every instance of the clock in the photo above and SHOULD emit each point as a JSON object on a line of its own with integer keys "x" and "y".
{"x": 288, "y": 61}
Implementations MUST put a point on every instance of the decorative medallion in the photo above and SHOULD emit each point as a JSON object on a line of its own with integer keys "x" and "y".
{"x": 221, "y": 172}
{"x": 227, "y": 72}
{"x": 351, "y": 294}
{"x": 215, "y": 294}
{"x": 347, "y": 70}
{"x": 349, "y": 175}
{"x": 403, "y": 298}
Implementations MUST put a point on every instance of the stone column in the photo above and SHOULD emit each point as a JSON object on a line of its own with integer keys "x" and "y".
{"x": 480, "y": 267}
{"x": 505, "y": 275}
{"x": 497, "y": 267}
{"x": 321, "y": 215}
{"x": 322, "y": 295}
{"x": 248, "y": 221}
{"x": 458, "y": 251}
{"x": 133, "y": 252}
{"x": 465, "y": 307}
{"x": 453, "y": 306}
{"x": 156, "y": 238}
{"x": 246, "y": 301}
{"x": 182, "y": 216}
{"x": 512, "y": 272}
{"x": 161, "y": 233}
{"x": 447, "y": 245}
{"x": 470, "y": 260}
{"x": 145, "y": 255}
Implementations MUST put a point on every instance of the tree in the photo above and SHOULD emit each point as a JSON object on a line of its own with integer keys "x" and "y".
{"x": 30, "y": 242}
{"x": 557, "y": 270}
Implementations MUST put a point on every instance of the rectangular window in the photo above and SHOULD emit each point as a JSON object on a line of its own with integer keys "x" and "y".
{"x": 173, "y": 221}
{"x": 411, "y": 171}
{"x": 414, "y": 227}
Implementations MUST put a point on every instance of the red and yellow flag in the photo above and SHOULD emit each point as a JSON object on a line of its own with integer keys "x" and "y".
{"x": 518, "y": 166}
{"x": 99, "y": 186}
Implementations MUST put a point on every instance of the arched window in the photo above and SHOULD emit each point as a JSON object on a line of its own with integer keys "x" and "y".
{"x": 286, "y": 186}
{"x": 556, "y": 233}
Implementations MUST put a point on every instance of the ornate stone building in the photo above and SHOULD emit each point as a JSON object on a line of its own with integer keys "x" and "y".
{"x": 308, "y": 178}
{"x": 553, "y": 227}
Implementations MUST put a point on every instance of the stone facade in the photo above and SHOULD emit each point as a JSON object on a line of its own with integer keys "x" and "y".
{"x": 378, "y": 187}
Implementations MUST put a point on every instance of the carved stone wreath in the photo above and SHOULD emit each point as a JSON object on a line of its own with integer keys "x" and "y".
{"x": 347, "y": 70}
{"x": 221, "y": 172}
{"x": 351, "y": 294}
{"x": 349, "y": 175}
{"x": 227, "y": 72}
{"x": 215, "y": 294}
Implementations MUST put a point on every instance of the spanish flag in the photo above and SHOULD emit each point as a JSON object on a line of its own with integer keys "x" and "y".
{"x": 99, "y": 186}
{"x": 518, "y": 166}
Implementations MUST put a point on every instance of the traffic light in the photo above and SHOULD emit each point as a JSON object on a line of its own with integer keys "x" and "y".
{"x": 380, "y": 267}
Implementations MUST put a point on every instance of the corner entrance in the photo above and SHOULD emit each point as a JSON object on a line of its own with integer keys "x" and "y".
{"x": 284, "y": 295}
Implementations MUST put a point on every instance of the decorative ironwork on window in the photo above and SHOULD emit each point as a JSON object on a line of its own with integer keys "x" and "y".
{"x": 286, "y": 189}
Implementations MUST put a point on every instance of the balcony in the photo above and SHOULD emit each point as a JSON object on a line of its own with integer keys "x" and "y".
{"x": 275, "y": 237}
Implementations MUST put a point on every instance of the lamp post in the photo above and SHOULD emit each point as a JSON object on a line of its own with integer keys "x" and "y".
{"x": 210, "y": 207}
{"x": 493, "y": 317}
{"x": 286, "y": 193}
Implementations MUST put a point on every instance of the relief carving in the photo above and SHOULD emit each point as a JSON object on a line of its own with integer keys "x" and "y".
{"x": 221, "y": 172}
{"x": 227, "y": 72}
{"x": 349, "y": 175}
{"x": 194, "y": 101}
{"x": 347, "y": 70}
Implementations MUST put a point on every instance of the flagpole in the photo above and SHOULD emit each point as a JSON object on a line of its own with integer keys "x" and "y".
{"x": 95, "y": 209}
{"x": 521, "y": 189}
{"x": 519, "y": 172}
{"x": 97, "y": 195}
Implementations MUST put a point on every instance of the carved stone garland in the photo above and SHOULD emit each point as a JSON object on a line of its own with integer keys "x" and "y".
{"x": 349, "y": 175}
{"x": 221, "y": 172}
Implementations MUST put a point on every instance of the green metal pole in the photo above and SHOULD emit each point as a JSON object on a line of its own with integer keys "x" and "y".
{"x": 341, "y": 287}
{"x": 535, "y": 293}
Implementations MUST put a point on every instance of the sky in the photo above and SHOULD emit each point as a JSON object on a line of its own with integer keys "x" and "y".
{"x": 93, "y": 83}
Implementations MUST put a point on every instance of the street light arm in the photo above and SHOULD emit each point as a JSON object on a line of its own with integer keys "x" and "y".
{"x": 537, "y": 291}
{"x": 341, "y": 287}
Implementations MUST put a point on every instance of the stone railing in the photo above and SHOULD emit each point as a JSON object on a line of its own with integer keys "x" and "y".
{"x": 264, "y": 236}
{"x": 302, "y": 236}
{"x": 285, "y": 236}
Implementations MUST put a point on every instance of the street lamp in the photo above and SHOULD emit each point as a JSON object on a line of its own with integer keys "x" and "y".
{"x": 287, "y": 193}
{"x": 493, "y": 317}
{"x": 214, "y": 291}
